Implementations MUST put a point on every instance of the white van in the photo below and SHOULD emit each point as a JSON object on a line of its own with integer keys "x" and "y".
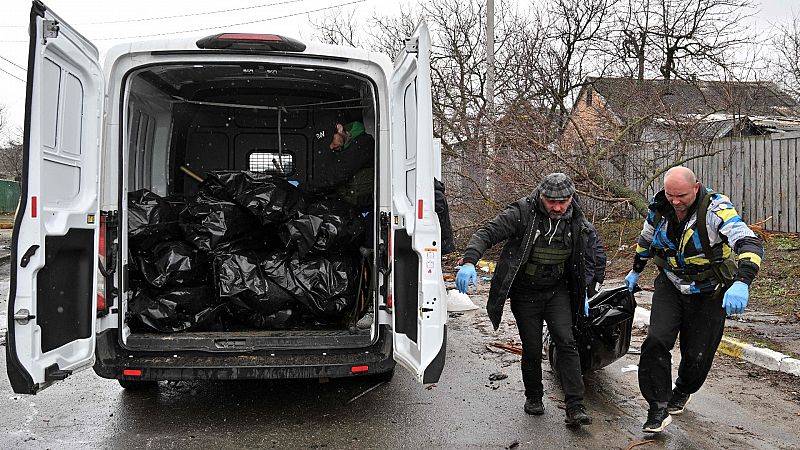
{"x": 96, "y": 132}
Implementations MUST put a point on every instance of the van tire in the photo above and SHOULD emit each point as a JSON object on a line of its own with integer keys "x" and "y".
{"x": 137, "y": 385}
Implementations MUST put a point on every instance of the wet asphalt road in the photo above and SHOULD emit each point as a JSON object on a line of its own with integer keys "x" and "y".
{"x": 736, "y": 409}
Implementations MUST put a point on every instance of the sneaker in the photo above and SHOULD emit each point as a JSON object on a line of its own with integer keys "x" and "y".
{"x": 677, "y": 403}
{"x": 657, "y": 420}
{"x": 576, "y": 415}
{"x": 534, "y": 406}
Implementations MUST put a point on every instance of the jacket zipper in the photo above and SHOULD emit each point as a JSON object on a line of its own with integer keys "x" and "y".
{"x": 525, "y": 249}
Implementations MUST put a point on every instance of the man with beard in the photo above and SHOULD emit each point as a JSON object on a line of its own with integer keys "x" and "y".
{"x": 549, "y": 264}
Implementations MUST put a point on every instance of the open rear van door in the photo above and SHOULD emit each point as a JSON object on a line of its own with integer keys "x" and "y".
{"x": 52, "y": 298}
{"x": 419, "y": 306}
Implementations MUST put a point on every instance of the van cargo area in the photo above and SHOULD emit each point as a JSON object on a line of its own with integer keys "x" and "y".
{"x": 251, "y": 208}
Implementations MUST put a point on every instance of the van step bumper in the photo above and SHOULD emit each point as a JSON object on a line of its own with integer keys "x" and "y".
{"x": 111, "y": 360}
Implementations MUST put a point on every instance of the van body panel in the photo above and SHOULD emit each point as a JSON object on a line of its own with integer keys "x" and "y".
{"x": 78, "y": 141}
{"x": 420, "y": 307}
{"x": 52, "y": 299}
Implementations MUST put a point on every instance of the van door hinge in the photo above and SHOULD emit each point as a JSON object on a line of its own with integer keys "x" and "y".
{"x": 412, "y": 45}
{"x": 49, "y": 30}
{"x": 23, "y": 316}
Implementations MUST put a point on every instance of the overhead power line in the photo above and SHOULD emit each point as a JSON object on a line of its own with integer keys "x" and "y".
{"x": 12, "y": 75}
{"x": 221, "y": 11}
{"x": 176, "y": 16}
{"x": 12, "y": 62}
{"x": 231, "y": 24}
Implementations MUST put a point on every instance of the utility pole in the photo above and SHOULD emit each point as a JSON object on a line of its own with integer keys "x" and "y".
{"x": 490, "y": 119}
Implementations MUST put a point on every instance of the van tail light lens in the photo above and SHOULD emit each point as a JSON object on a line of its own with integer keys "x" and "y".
{"x": 105, "y": 247}
{"x": 132, "y": 372}
{"x": 359, "y": 369}
{"x": 101, "y": 279}
{"x": 250, "y": 41}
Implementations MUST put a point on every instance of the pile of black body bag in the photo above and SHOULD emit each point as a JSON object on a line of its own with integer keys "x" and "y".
{"x": 247, "y": 251}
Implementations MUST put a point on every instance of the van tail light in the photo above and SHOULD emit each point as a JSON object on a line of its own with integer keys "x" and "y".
{"x": 132, "y": 372}
{"x": 101, "y": 302}
{"x": 105, "y": 247}
{"x": 359, "y": 369}
{"x": 101, "y": 278}
{"x": 250, "y": 41}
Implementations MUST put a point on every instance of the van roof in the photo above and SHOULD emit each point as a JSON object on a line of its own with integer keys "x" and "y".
{"x": 190, "y": 44}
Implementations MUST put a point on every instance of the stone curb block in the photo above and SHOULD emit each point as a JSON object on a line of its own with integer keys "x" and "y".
{"x": 763, "y": 357}
{"x": 790, "y": 365}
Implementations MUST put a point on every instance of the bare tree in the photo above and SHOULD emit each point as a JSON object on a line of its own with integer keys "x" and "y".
{"x": 681, "y": 38}
{"x": 786, "y": 64}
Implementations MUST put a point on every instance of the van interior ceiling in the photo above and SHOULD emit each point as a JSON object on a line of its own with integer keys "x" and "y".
{"x": 251, "y": 204}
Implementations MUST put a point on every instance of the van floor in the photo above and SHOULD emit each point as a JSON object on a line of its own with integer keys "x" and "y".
{"x": 252, "y": 339}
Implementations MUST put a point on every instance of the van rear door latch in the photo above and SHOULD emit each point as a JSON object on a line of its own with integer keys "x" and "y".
{"x": 23, "y": 316}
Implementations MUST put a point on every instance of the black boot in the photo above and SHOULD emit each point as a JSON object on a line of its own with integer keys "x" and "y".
{"x": 576, "y": 415}
{"x": 534, "y": 406}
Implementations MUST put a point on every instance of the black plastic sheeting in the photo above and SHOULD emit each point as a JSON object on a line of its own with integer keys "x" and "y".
{"x": 172, "y": 264}
{"x": 179, "y": 309}
{"x": 325, "y": 227}
{"x": 247, "y": 250}
{"x": 271, "y": 200}
{"x": 151, "y": 219}
{"x": 209, "y": 222}
{"x": 606, "y": 335}
{"x": 241, "y": 280}
{"x": 322, "y": 284}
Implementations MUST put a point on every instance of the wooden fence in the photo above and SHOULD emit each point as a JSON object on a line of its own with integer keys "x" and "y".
{"x": 759, "y": 174}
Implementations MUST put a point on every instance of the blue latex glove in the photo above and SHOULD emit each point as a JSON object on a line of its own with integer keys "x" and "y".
{"x": 464, "y": 275}
{"x": 631, "y": 279}
{"x": 586, "y": 306}
{"x": 736, "y": 297}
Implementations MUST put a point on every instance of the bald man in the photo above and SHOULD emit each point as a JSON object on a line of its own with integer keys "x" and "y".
{"x": 692, "y": 234}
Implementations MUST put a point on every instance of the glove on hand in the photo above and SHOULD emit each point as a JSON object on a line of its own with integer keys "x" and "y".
{"x": 736, "y": 297}
{"x": 586, "y": 307}
{"x": 631, "y": 279}
{"x": 465, "y": 273}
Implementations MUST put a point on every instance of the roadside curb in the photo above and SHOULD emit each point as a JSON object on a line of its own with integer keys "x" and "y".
{"x": 762, "y": 357}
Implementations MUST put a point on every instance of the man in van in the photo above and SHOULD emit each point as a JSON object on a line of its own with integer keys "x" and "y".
{"x": 692, "y": 234}
{"x": 551, "y": 258}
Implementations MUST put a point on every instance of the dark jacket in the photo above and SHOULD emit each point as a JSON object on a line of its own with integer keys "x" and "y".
{"x": 443, "y": 212}
{"x": 517, "y": 225}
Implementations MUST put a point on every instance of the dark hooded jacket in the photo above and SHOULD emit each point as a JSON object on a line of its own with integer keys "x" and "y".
{"x": 517, "y": 225}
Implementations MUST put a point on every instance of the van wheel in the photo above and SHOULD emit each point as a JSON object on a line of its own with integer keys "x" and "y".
{"x": 136, "y": 385}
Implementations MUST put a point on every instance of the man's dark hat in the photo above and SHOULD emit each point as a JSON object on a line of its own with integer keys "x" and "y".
{"x": 557, "y": 186}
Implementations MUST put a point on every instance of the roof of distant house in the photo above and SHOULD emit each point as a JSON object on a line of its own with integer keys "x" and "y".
{"x": 629, "y": 98}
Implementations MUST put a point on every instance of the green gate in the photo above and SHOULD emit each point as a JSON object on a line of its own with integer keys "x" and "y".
{"x": 9, "y": 196}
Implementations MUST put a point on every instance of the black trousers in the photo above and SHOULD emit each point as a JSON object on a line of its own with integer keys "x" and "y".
{"x": 700, "y": 320}
{"x": 530, "y": 308}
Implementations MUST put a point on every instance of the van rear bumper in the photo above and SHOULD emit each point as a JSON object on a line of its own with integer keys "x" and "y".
{"x": 111, "y": 360}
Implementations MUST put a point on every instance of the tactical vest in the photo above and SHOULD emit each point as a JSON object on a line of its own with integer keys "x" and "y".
{"x": 547, "y": 263}
{"x": 723, "y": 269}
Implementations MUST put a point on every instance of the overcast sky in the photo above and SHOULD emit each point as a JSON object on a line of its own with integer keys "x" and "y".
{"x": 105, "y": 21}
